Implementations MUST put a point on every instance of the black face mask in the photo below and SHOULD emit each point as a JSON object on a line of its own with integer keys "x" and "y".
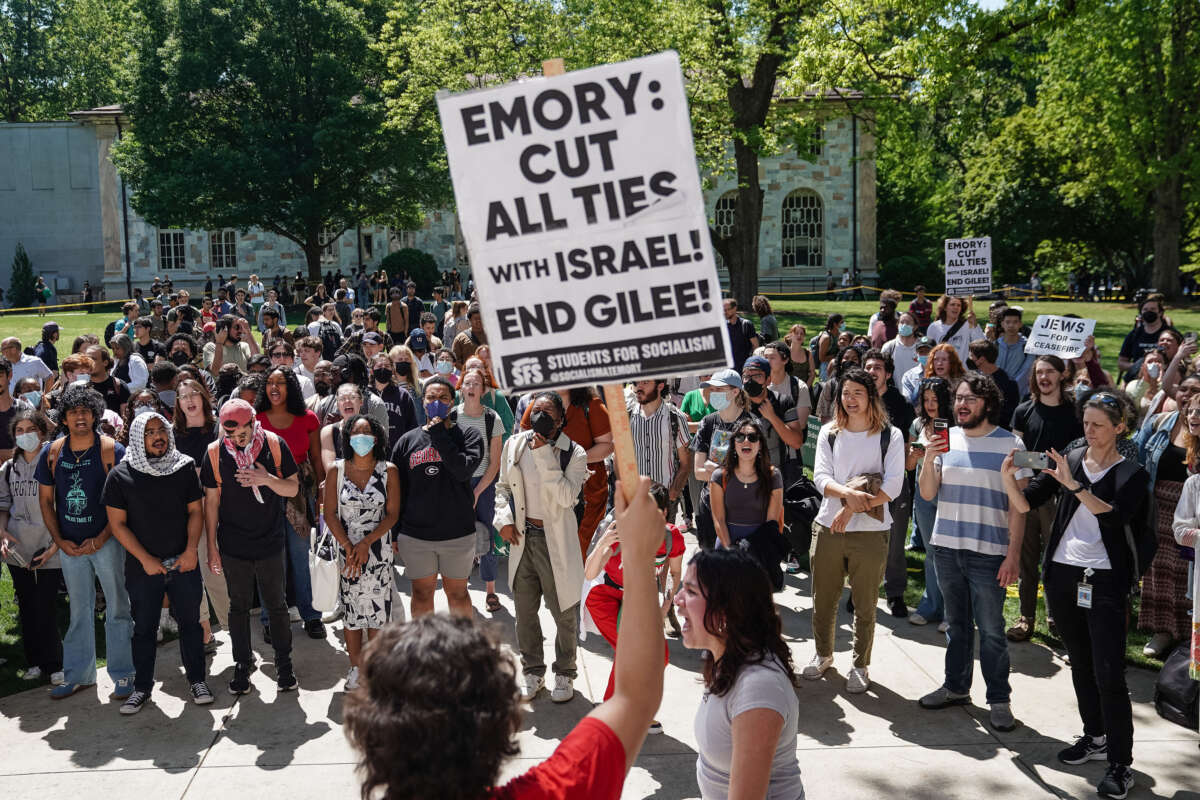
{"x": 179, "y": 358}
{"x": 754, "y": 388}
{"x": 1150, "y": 317}
{"x": 543, "y": 424}
{"x": 322, "y": 388}
{"x": 382, "y": 375}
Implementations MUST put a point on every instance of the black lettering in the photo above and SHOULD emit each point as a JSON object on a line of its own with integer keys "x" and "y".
{"x": 564, "y": 157}
{"x": 527, "y": 225}
{"x": 660, "y": 183}
{"x": 589, "y": 99}
{"x": 540, "y": 111}
{"x": 552, "y": 223}
{"x": 598, "y": 311}
{"x": 604, "y": 258}
{"x": 687, "y": 298}
{"x": 586, "y": 195}
{"x": 526, "y": 155}
{"x": 633, "y": 196}
{"x": 657, "y": 245}
{"x": 474, "y": 125}
{"x": 517, "y": 117}
{"x": 631, "y": 257}
{"x": 627, "y": 91}
{"x": 499, "y": 222}
{"x": 578, "y": 259}
{"x": 602, "y": 141}
{"x": 562, "y": 316}
{"x": 660, "y": 296}
{"x": 507, "y": 317}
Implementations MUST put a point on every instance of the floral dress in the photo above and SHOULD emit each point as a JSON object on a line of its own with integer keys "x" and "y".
{"x": 367, "y": 599}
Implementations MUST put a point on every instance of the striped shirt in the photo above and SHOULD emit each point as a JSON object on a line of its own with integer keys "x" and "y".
{"x": 480, "y": 424}
{"x": 656, "y": 440}
{"x": 972, "y": 504}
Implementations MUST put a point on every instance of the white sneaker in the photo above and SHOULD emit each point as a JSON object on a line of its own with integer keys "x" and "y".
{"x": 533, "y": 684}
{"x": 33, "y": 674}
{"x": 293, "y": 614}
{"x": 858, "y": 680}
{"x": 330, "y": 617}
{"x": 816, "y": 668}
{"x": 943, "y": 626}
{"x": 917, "y": 619}
{"x": 58, "y": 678}
{"x": 352, "y": 679}
{"x": 1158, "y": 646}
{"x": 563, "y": 690}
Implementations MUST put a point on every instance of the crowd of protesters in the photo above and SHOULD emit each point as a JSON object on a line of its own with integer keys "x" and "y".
{"x": 181, "y": 461}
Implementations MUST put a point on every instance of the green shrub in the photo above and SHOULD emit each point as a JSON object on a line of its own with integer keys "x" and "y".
{"x": 421, "y": 267}
{"x": 21, "y": 293}
{"x": 905, "y": 272}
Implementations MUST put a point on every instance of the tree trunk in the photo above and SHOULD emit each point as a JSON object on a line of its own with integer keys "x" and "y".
{"x": 1168, "y": 230}
{"x": 742, "y": 259}
{"x": 312, "y": 254}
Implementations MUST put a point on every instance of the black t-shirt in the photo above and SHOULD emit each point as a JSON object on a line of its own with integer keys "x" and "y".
{"x": 48, "y": 353}
{"x": 155, "y": 507}
{"x": 151, "y": 351}
{"x": 194, "y": 442}
{"x": 435, "y": 469}
{"x": 416, "y": 307}
{"x": 740, "y": 332}
{"x": 6, "y": 438}
{"x": 1139, "y": 341}
{"x": 786, "y": 411}
{"x": 1008, "y": 390}
{"x": 899, "y": 411}
{"x": 401, "y": 411}
{"x": 1042, "y": 427}
{"x": 114, "y": 392}
{"x": 246, "y": 528}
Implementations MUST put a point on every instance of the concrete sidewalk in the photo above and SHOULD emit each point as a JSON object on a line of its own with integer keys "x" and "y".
{"x": 880, "y": 744}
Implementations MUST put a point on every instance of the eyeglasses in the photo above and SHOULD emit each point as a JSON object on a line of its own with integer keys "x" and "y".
{"x": 745, "y": 437}
{"x": 969, "y": 399}
{"x": 279, "y": 354}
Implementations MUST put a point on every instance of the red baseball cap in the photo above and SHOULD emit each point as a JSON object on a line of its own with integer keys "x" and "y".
{"x": 237, "y": 410}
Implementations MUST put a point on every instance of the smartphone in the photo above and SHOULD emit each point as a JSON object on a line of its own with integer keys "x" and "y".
{"x": 36, "y": 555}
{"x": 169, "y": 563}
{"x": 18, "y": 559}
{"x": 1190, "y": 338}
{"x": 941, "y": 428}
{"x": 1030, "y": 459}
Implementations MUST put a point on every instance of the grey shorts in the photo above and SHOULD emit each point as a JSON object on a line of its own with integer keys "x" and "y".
{"x": 452, "y": 558}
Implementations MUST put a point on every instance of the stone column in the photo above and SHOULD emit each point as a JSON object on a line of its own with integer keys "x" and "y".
{"x": 110, "y": 204}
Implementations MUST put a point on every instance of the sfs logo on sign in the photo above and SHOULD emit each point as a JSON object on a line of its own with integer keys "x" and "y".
{"x": 526, "y": 371}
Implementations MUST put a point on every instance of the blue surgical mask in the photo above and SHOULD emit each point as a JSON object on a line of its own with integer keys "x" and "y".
{"x": 719, "y": 400}
{"x": 1151, "y": 369}
{"x": 922, "y": 359}
{"x": 444, "y": 367}
{"x": 168, "y": 397}
{"x": 362, "y": 443}
{"x": 437, "y": 408}
{"x": 137, "y": 412}
{"x": 1081, "y": 389}
{"x": 33, "y": 398}
{"x": 28, "y": 441}
{"x": 905, "y": 330}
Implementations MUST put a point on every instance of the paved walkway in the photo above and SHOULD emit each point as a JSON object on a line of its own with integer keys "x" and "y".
{"x": 880, "y": 744}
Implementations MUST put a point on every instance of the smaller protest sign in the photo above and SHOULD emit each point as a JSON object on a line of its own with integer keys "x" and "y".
{"x": 1059, "y": 336}
{"x": 968, "y": 266}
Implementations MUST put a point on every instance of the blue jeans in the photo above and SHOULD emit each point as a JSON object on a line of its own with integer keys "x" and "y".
{"x": 79, "y": 645}
{"x": 297, "y": 563}
{"x": 973, "y": 598}
{"x": 932, "y": 606}
{"x": 485, "y": 509}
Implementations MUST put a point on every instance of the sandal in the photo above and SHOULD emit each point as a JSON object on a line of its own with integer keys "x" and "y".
{"x": 493, "y": 602}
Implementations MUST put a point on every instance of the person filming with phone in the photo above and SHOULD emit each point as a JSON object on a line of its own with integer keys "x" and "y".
{"x": 1090, "y": 568}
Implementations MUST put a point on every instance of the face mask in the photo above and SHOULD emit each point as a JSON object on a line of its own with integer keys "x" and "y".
{"x": 436, "y": 408}
{"x": 1150, "y": 317}
{"x": 906, "y": 330}
{"x": 322, "y": 388}
{"x": 1081, "y": 389}
{"x": 382, "y": 375}
{"x": 179, "y": 358}
{"x": 922, "y": 359}
{"x": 28, "y": 441}
{"x": 33, "y": 398}
{"x": 444, "y": 367}
{"x": 543, "y": 424}
{"x": 362, "y": 443}
{"x": 168, "y": 397}
{"x": 754, "y": 388}
{"x": 719, "y": 400}
{"x": 1151, "y": 369}
{"x": 137, "y": 412}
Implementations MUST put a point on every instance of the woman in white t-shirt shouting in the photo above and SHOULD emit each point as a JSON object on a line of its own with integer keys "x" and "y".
{"x": 1089, "y": 571}
{"x": 746, "y": 725}
{"x": 955, "y": 324}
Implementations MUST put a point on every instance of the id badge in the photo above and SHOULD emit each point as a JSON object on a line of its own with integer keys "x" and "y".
{"x": 1083, "y": 595}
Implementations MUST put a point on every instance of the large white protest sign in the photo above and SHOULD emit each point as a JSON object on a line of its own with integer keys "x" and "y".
{"x": 581, "y": 208}
{"x": 1059, "y": 336}
{"x": 968, "y": 266}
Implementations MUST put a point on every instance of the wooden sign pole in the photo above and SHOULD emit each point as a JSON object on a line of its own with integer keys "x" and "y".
{"x": 614, "y": 394}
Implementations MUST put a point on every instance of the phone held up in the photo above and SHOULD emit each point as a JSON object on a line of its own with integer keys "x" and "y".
{"x": 1030, "y": 459}
{"x": 941, "y": 430}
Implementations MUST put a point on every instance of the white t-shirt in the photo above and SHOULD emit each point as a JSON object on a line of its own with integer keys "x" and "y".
{"x": 1081, "y": 545}
{"x": 856, "y": 454}
{"x": 257, "y": 292}
{"x": 961, "y": 339}
{"x": 533, "y": 485}
{"x": 26, "y": 367}
{"x": 904, "y": 356}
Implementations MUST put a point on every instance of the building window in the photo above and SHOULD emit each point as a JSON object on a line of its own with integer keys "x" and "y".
{"x": 368, "y": 246}
{"x": 222, "y": 249}
{"x": 328, "y": 239}
{"x": 170, "y": 250}
{"x": 724, "y": 220}
{"x": 803, "y": 230}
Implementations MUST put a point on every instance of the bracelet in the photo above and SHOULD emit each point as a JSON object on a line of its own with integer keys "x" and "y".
{"x": 1076, "y": 490}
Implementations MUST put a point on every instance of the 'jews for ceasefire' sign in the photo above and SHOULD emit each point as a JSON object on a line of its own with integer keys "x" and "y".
{"x": 1059, "y": 336}
{"x": 581, "y": 208}
{"x": 968, "y": 266}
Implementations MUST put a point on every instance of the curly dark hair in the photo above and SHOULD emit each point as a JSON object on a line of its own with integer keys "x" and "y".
{"x": 381, "y": 439}
{"x": 80, "y": 396}
{"x": 739, "y": 609}
{"x": 984, "y": 387}
{"x": 187, "y": 339}
{"x": 941, "y": 390}
{"x": 840, "y": 365}
{"x": 437, "y": 711}
{"x": 294, "y": 402}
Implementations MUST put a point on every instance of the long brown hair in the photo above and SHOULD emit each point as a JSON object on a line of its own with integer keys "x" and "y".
{"x": 944, "y": 301}
{"x": 762, "y": 462}
{"x": 1192, "y": 443}
{"x": 877, "y": 414}
{"x": 179, "y": 419}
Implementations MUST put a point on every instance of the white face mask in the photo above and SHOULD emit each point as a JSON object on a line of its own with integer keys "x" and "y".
{"x": 1153, "y": 370}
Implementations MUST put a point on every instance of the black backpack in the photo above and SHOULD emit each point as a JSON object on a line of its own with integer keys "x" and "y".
{"x": 1176, "y": 693}
{"x": 327, "y": 332}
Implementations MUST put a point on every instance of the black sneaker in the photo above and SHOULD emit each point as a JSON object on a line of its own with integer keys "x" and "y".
{"x": 899, "y": 610}
{"x": 1085, "y": 749}
{"x": 286, "y": 679}
{"x": 241, "y": 679}
{"x": 133, "y": 704}
{"x": 1117, "y": 782}
{"x": 201, "y": 696}
{"x": 267, "y": 634}
{"x": 315, "y": 628}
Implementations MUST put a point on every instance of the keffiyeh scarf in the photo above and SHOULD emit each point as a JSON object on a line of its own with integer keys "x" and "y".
{"x": 245, "y": 458}
{"x": 136, "y": 455}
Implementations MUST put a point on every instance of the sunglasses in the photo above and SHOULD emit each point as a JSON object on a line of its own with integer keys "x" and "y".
{"x": 745, "y": 437}
{"x": 1106, "y": 399}
{"x": 280, "y": 354}
{"x": 230, "y": 425}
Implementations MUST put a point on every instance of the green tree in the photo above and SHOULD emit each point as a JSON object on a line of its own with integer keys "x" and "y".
{"x": 21, "y": 292}
{"x": 26, "y": 60}
{"x": 268, "y": 114}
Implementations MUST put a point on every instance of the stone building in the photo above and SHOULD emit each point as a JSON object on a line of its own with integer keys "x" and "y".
{"x": 61, "y": 196}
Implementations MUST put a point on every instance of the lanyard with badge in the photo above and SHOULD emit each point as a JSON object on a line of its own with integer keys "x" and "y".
{"x": 1083, "y": 590}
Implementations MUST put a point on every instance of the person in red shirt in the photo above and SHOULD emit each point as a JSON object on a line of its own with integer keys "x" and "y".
{"x": 421, "y": 735}
{"x": 604, "y": 599}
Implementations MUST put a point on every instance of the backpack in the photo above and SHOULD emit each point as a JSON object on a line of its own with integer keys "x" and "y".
{"x": 885, "y": 441}
{"x": 108, "y": 453}
{"x": 214, "y": 455}
{"x": 1176, "y": 693}
{"x": 327, "y": 332}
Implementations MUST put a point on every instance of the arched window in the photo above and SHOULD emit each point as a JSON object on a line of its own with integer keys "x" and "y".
{"x": 724, "y": 220}
{"x": 803, "y": 236}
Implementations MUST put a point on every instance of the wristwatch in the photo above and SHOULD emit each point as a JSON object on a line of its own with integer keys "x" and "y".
{"x": 1076, "y": 490}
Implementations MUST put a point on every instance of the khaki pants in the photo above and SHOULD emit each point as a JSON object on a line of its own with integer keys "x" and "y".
{"x": 533, "y": 582}
{"x": 861, "y": 555}
{"x": 1038, "y": 523}
{"x": 215, "y": 589}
